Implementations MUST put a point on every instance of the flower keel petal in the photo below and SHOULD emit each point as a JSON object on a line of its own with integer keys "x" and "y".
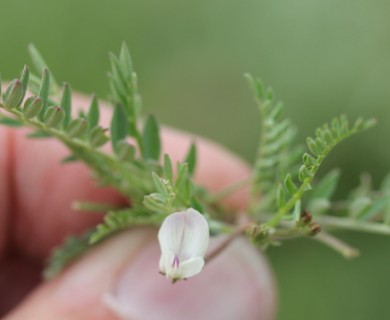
{"x": 191, "y": 267}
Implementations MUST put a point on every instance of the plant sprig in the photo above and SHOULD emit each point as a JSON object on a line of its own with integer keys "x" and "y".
{"x": 281, "y": 205}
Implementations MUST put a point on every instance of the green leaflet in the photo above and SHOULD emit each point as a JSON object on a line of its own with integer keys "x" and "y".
{"x": 11, "y": 122}
{"x": 39, "y": 135}
{"x": 13, "y": 96}
{"x": 93, "y": 112}
{"x": 191, "y": 158}
{"x": 118, "y": 220}
{"x": 327, "y": 185}
{"x": 40, "y": 65}
{"x": 24, "y": 77}
{"x": 290, "y": 185}
{"x": 151, "y": 139}
{"x": 66, "y": 104}
{"x": 119, "y": 126}
{"x": 44, "y": 91}
{"x": 72, "y": 248}
{"x": 167, "y": 169}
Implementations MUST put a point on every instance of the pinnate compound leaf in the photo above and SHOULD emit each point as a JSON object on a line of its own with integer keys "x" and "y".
{"x": 72, "y": 248}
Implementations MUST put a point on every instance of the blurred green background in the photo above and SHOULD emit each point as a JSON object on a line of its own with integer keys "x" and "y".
{"x": 323, "y": 58}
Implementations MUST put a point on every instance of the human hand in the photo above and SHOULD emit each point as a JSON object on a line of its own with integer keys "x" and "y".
{"x": 121, "y": 274}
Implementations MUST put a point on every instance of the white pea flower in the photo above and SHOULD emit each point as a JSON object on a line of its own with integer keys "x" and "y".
{"x": 184, "y": 238}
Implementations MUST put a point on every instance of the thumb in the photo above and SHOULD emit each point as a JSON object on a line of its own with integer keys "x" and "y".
{"x": 119, "y": 280}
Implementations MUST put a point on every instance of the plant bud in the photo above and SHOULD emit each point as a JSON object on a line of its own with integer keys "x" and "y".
{"x": 53, "y": 116}
{"x": 32, "y": 107}
{"x": 77, "y": 128}
{"x": 13, "y": 95}
{"x": 98, "y": 137}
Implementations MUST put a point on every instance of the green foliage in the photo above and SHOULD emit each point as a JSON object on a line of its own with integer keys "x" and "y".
{"x": 366, "y": 204}
{"x": 282, "y": 174}
{"x": 167, "y": 169}
{"x": 24, "y": 80}
{"x": 32, "y": 107}
{"x": 40, "y": 66}
{"x": 53, "y": 116}
{"x": 319, "y": 199}
{"x": 72, "y": 248}
{"x": 13, "y": 95}
{"x": 119, "y": 126}
{"x": 93, "y": 113}
{"x": 327, "y": 137}
{"x": 280, "y": 182}
{"x": 66, "y": 104}
{"x": 191, "y": 159}
{"x": 276, "y": 153}
{"x": 77, "y": 128}
{"x": 151, "y": 139}
{"x": 171, "y": 196}
{"x": 11, "y": 122}
{"x": 124, "y": 90}
{"x": 44, "y": 91}
{"x": 116, "y": 221}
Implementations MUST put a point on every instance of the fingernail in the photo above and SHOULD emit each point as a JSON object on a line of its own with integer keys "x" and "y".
{"x": 235, "y": 285}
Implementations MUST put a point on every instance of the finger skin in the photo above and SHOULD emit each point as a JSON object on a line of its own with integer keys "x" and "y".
{"x": 5, "y": 194}
{"x": 236, "y": 285}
